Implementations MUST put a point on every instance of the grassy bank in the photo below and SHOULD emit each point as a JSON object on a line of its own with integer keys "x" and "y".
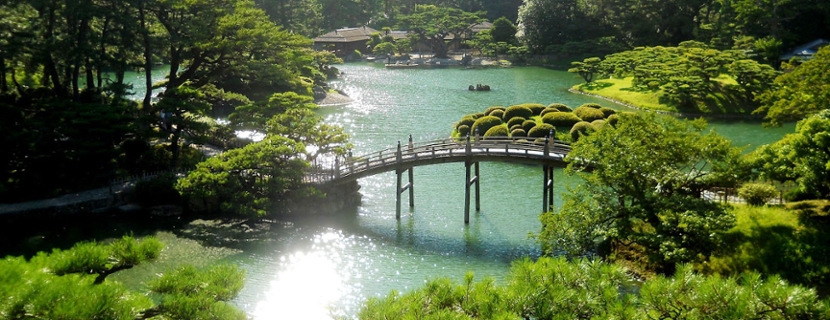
{"x": 789, "y": 241}
{"x": 723, "y": 99}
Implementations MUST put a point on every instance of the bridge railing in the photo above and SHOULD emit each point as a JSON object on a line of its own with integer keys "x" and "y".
{"x": 435, "y": 149}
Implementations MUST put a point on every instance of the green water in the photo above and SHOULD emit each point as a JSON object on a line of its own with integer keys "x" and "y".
{"x": 315, "y": 267}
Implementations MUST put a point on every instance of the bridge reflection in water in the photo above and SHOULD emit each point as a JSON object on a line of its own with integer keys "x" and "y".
{"x": 546, "y": 152}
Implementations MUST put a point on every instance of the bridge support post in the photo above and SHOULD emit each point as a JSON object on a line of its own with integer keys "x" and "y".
{"x": 400, "y": 187}
{"x": 470, "y": 181}
{"x": 547, "y": 189}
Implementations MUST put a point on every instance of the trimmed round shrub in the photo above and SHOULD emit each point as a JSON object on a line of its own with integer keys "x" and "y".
{"x": 548, "y": 110}
{"x": 477, "y": 115}
{"x": 465, "y": 121}
{"x": 497, "y": 131}
{"x": 515, "y": 126}
{"x": 463, "y": 130}
{"x": 541, "y": 131}
{"x": 582, "y": 128}
{"x": 535, "y": 108}
{"x": 528, "y": 124}
{"x": 560, "y": 119}
{"x": 591, "y": 105}
{"x": 515, "y": 120}
{"x": 490, "y": 110}
{"x": 560, "y": 107}
{"x": 588, "y": 114}
{"x": 607, "y": 112}
{"x": 518, "y": 133}
{"x": 612, "y": 120}
{"x": 484, "y": 123}
{"x": 598, "y": 124}
{"x": 757, "y": 194}
{"x": 518, "y": 111}
{"x": 497, "y": 113}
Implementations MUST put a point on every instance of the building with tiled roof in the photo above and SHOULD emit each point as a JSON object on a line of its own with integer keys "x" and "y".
{"x": 345, "y": 41}
{"x": 805, "y": 51}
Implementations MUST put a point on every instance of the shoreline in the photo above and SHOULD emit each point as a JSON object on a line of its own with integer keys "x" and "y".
{"x": 671, "y": 113}
{"x": 333, "y": 99}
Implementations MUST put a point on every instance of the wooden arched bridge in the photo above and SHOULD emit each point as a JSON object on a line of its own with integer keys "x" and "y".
{"x": 546, "y": 152}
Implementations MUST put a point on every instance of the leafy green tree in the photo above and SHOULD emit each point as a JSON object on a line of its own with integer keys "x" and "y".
{"x": 254, "y": 116}
{"x": 752, "y": 77}
{"x": 803, "y": 157}
{"x": 504, "y": 31}
{"x": 434, "y": 24}
{"x": 586, "y": 69}
{"x": 250, "y": 181}
{"x": 301, "y": 124}
{"x": 384, "y": 48}
{"x": 646, "y": 197}
{"x": 800, "y": 93}
{"x": 183, "y": 107}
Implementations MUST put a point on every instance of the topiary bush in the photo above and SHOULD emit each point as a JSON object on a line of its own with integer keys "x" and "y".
{"x": 497, "y": 131}
{"x": 588, "y": 114}
{"x": 514, "y": 127}
{"x": 535, "y": 108}
{"x": 484, "y": 123}
{"x": 591, "y": 105}
{"x": 497, "y": 113}
{"x": 560, "y": 107}
{"x": 490, "y": 110}
{"x": 465, "y": 121}
{"x": 582, "y": 128}
{"x": 598, "y": 124}
{"x": 528, "y": 124}
{"x": 541, "y": 131}
{"x": 560, "y": 119}
{"x": 548, "y": 110}
{"x": 607, "y": 112}
{"x": 518, "y": 133}
{"x": 477, "y": 115}
{"x": 518, "y": 111}
{"x": 612, "y": 120}
{"x": 757, "y": 194}
{"x": 514, "y": 121}
{"x": 463, "y": 130}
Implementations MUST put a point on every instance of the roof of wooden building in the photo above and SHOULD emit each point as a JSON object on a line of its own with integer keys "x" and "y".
{"x": 345, "y": 35}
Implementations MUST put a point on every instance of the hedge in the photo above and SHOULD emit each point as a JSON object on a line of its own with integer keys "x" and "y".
{"x": 515, "y": 120}
{"x": 598, "y": 124}
{"x": 463, "y": 130}
{"x": 518, "y": 111}
{"x": 612, "y": 120}
{"x": 757, "y": 194}
{"x": 518, "y": 133}
{"x": 485, "y": 123}
{"x": 490, "y": 110}
{"x": 528, "y": 124}
{"x": 497, "y": 131}
{"x": 591, "y": 105}
{"x": 541, "y": 130}
{"x": 465, "y": 121}
{"x": 560, "y": 107}
{"x": 497, "y": 113}
{"x": 560, "y": 119}
{"x": 514, "y": 127}
{"x": 548, "y": 110}
{"x": 478, "y": 115}
{"x": 535, "y": 108}
{"x": 607, "y": 112}
{"x": 588, "y": 114}
{"x": 581, "y": 128}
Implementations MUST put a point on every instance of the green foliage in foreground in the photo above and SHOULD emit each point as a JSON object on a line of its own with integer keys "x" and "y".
{"x": 71, "y": 284}
{"x": 553, "y": 288}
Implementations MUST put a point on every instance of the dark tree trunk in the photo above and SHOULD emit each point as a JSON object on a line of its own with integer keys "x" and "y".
{"x": 90, "y": 79}
{"x": 4, "y": 85}
{"x": 148, "y": 59}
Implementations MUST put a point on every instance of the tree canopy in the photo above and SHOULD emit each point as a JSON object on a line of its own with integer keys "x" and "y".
{"x": 799, "y": 93}
{"x": 437, "y": 27}
{"x": 643, "y": 179}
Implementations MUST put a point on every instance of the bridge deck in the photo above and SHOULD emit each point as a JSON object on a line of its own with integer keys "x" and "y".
{"x": 503, "y": 149}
